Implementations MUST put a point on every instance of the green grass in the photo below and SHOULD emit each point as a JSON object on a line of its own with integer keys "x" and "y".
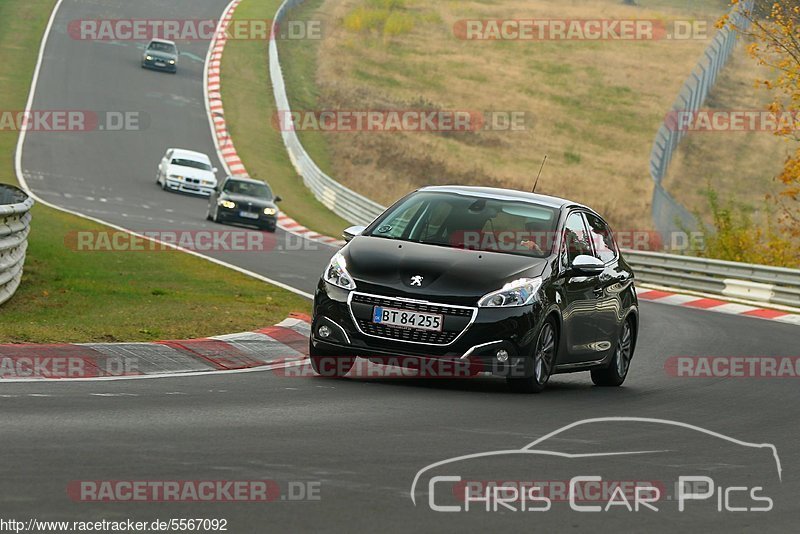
{"x": 69, "y": 296}
{"x": 250, "y": 110}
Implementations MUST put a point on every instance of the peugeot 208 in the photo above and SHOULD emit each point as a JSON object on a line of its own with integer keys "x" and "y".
{"x": 517, "y": 284}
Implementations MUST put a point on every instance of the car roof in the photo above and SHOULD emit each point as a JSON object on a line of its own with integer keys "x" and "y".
{"x": 189, "y": 154}
{"x": 498, "y": 193}
{"x": 165, "y": 41}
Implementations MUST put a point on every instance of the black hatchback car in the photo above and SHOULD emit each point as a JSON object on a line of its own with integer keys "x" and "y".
{"x": 245, "y": 201}
{"x": 513, "y": 283}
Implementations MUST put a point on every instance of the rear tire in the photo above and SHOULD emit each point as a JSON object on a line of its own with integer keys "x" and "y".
{"x": 329, "y": 365}
{"x": 540, "y": 366}
{"x": 614, "y": 375}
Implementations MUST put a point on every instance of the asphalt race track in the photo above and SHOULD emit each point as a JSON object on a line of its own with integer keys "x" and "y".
{"x": 361, "y": 441}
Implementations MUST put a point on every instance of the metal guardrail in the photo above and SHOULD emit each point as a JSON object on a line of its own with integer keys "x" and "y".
{"x": 745, "y": 281}
{"x": 15, "y": 217}
{"x": 668, "y": 214}
{"x": 768, "y": 285}
{"x": 346, "y": 203}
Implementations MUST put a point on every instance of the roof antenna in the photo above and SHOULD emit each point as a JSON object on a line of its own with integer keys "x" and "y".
{"x": 538, "y": 175}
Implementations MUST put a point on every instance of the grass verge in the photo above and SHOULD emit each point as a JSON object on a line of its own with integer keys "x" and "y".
{"x": 250, "y": 111}
{"x": 68, "y": 296}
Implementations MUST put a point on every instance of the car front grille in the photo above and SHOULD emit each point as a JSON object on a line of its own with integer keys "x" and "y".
{"x": 456, "y": 319}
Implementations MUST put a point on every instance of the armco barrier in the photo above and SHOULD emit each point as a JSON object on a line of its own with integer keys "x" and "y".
{"x": 767, "y": 285}
{"x": 347, "y": 204}
{"x": 15, "y": 217}
{"x": 746, "y": 281}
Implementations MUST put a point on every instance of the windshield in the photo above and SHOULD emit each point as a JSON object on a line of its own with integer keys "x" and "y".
{"x": 163, "y": 47}
{"x": 250, "y": 189}
{"x": 471, "y": 223}
{"x": 191, "y": 163}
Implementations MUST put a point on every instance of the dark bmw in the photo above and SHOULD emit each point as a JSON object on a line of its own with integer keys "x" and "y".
{"x": 513, "y": 283}
{"x": 245, "y": 201}
{"x": 161, "y": 54}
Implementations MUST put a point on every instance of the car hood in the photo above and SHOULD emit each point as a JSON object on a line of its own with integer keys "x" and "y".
{"x": 244, "y": 199}
{"x": 448, "y": 274}
{"x": 190, "y": 172}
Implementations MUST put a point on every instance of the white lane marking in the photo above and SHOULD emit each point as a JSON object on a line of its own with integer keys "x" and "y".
{"x": 24, "y": 184}
{"x": 113, "y": 394}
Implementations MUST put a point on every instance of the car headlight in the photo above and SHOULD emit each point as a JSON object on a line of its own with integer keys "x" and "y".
{"x": 149, "y": 58}
{"x": 336, "y": 273}
{"x": 171, "y": 61}
{"x": 227, "y": 204}
{"x": 209, "y": 182}
{"x": 175, "y": 177}
{"x": 270, "y": 211}
{"x": 517, "y": 293}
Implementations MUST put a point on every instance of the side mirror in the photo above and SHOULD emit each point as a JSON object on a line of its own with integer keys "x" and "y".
{"x": 214, "y": 170}
{"x": 588, "y": 265}
{"x": 277, "y": 198}
{"x": 351, "y": 232}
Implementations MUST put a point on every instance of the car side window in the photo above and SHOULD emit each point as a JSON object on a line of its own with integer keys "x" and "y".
{"x": 576, "y": 239}
{"x": 603, "y": 242}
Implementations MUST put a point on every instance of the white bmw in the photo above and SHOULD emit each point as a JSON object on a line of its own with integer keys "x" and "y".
{"x": 187, "y": 171}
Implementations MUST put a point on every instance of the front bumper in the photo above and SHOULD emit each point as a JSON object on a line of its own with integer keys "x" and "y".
{"x": 234, "y": 214}
{"x": 158, "y": 64}
{"x": 189, "y": 187}
{"x": 490, "y": 329}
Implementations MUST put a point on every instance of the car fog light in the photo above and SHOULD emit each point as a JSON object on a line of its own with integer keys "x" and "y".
{"x": 502, "y": 355}
{"x": 324, "y": 331}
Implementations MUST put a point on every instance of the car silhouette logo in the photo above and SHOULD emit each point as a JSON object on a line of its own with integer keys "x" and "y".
{"x": 416, "y": 280}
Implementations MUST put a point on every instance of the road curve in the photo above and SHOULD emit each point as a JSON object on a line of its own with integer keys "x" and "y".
{"x": 363, "y": 440}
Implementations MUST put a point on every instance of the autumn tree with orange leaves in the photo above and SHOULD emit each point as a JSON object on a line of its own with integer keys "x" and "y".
{"x": 775, "y": 36}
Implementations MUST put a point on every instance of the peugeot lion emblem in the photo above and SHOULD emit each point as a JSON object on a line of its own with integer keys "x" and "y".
{"x": 416, "y": 280}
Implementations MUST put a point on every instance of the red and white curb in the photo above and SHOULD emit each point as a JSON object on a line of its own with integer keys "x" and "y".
{"x": 222, "y": 139}
{"x": 716, "y": 305}
{"x": 284, "y": 344}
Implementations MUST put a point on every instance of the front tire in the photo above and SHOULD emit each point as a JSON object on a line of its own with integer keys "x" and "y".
{"x": 614, "y": 375}
{"x": 328, "y": 365}
{"x": 539, "y": 368}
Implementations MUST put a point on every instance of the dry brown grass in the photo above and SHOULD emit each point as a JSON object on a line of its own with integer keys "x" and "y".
{"x": 595, "y": 107}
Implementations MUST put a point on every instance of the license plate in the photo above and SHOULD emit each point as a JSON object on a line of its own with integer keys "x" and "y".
{"x": 407, "y": 319}
{"x": 160, "y": 64}
{"x": 248, "y": 215}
